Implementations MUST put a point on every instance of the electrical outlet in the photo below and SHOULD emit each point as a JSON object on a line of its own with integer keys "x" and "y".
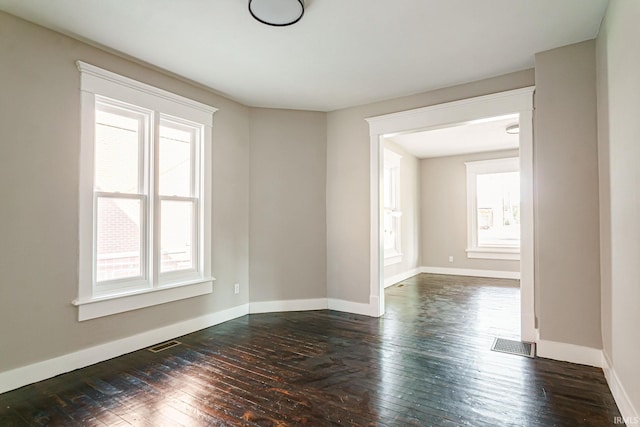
{"x": 236, "y": 288}
{"x": 450, "y": 258}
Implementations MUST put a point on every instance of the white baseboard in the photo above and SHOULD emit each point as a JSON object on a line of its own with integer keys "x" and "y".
{"x": 374, "y": 306}
{"x": 19, "y": 377}
{"x": 569, "y": 353}
{"x": 496, "y": 274}
{"x": 352, "y": 307}
{"x": 629, "y": 413}
{"x": 313, "y": 304}
{"x": 389, "y": 281}
{"x": 288, "y": 305}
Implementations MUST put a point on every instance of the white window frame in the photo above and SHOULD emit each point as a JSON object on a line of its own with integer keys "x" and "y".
{"x": 392, "y": 162}
{"x": 511, "y": 164}
{"x": 93, "y": 300}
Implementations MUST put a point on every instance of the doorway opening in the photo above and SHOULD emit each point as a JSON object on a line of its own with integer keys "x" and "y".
{"x": 498, "y": 213}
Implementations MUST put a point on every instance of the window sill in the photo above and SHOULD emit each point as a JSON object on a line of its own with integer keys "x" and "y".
{"x": 395, "y": 258}
{"x": 512, "y": 254}
{"x": 113, "y": 304}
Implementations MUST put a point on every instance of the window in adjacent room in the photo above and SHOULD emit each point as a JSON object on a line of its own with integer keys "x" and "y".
{"x": 391, "y": 206}
{"x": 493, "y": 209}
{"x": 144, "y": 195}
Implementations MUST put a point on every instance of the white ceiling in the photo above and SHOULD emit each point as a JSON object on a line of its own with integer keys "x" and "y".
{"x": 481, "y": 136}
{"x": 342, "y": 53}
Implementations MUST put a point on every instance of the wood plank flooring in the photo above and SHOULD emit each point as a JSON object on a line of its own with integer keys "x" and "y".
{"x": 427, "y": 362}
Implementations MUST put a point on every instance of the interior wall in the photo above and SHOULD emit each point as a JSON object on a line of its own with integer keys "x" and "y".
{"x": 348, "y": 240}
{"x": 566, "y": 196}
{"x": 410, "y": 208}
{"x": 604, "y": 182}
{"x": 444, "y": 213}
{"x": 39, "y": 170}
{"x": 619, "y": 150}
{"x": 288, "y": 197}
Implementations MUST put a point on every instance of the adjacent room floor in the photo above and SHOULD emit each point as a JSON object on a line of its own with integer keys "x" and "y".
{"x": 427, "y": 362}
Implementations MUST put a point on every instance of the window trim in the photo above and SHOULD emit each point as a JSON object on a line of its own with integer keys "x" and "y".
{"x": 475, "y": 168}
{"x": 96, "y": 82}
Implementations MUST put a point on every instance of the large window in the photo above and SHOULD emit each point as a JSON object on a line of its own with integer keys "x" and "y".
{"x": 493, "y": 209}
{"x": 392, "y": 213}
{"x": 144, "y": 195}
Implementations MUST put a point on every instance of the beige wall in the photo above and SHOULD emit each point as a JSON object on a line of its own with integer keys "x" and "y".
{"x": 604, "y": 181}
{"x": 39, "y": 155}
{"x": 566, "y": 196}
{"x": 288, "y": 217}
{"x": 410, "y": 207}
{"x": 619, "y": 150}
{"x": 444, "y": 213}
{"x": 348, "y": 228}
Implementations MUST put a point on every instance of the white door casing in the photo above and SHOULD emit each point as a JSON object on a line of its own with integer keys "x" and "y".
{"x": 518, "y": 101}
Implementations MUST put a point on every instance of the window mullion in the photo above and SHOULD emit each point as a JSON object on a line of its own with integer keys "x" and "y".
{"x": 143, "y": 188}
{"x": 154, "y": 203}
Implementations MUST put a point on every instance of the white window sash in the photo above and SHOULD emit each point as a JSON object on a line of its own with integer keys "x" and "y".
{"x": 129, "y": 283}
{"x": 187, "y": 274}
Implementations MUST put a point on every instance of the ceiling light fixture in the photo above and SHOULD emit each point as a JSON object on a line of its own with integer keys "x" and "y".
{"x": 513, "y": 129}
{"x": 277, "y": 13}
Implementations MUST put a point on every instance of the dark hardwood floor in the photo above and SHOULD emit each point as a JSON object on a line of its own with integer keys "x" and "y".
{"x": 427, "y": 362}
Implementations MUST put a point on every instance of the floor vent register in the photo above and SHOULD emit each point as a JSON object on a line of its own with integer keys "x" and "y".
{"x": 519, "y": 348}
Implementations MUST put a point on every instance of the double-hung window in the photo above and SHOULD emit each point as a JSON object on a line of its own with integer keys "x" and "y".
{"x": 493, "y": 209}
{"x": 144, "y": 195}
{"x": 392, "y": 214}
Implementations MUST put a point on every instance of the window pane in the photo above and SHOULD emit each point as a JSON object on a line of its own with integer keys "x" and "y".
{"x": 117, "y": 151}
{"x": 499, "y": 209}
{"x": 176, "y": 235}
{"x": 389, "y": 231}
{"x": 119, "y": 238}
{"x": 175, "y": 161}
